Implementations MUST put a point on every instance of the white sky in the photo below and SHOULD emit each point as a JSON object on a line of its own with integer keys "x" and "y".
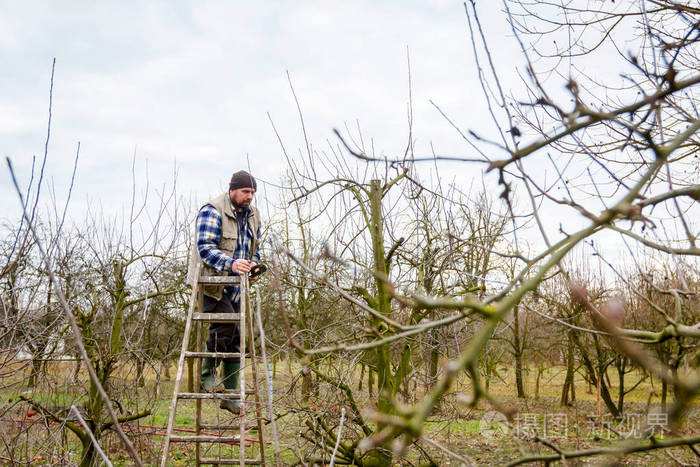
{"x": 191, "y": 82}
{"x": 188, "y": 85}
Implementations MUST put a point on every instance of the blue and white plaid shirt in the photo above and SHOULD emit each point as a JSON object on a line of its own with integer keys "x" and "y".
{"x": 209, "y": 237}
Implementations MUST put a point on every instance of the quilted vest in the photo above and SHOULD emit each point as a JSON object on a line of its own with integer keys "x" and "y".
{"x": 229, "y": 240}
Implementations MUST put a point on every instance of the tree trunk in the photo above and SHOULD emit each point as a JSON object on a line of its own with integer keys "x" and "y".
{"x": 401, "y": 374}
{"x": 94, "y": 408}
{"x": 306, "y": 385}
{"x": 386, "y": 383}
{"x": 76, "y": 368}
{"x": 569, "y": 379}
{"x": 621, "y": 366}
{"x": 140, "y": 377}
{"x": 596, "y": 374}
{"x": 664, "y": 393}
{"x": 34, "y": 373}
{"x": 674, "y": 364}
{"x": 190, "y": 374}
{"x": 434, "y": 359}
{"x": 166, "y": 370}
{"x": 607, "y": 398}
{"x": 88, "y": 454}
{"x": 518, "y": 354}
{"x": 540, "y": 370}
{"x": 362, "y": 376}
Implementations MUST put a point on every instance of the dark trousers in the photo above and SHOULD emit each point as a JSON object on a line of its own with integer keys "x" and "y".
{"x": 223, "y": 337}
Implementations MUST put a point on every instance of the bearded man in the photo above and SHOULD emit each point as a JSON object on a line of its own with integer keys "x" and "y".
{"x": 227, "y": 234}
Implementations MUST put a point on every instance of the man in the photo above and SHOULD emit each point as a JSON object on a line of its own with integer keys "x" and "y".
{"x": 226, "y": 242}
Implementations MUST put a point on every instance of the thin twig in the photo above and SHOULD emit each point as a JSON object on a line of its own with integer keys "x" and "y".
{"x": 268, "y": 382}
{"x": 337, "y": 441}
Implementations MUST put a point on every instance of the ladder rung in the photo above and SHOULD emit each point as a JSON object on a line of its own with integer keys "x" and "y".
{"x": 212, "y": 354}
{"x": 219, "y": 280}
{"x": 204, "y": 439}
{"x": 208, "y": 395}
{"x": 217, "y": 317}
{"x": 206, "y": 460}
{"x": 249, "y": 426}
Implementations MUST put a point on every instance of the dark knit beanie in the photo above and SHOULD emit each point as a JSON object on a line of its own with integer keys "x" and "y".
{"x": 242, "y": 179}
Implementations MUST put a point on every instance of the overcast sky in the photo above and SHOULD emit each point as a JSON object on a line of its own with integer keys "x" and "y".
{"x": 188, "y": 85}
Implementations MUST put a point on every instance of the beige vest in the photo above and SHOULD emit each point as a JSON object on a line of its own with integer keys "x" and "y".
{"x": 229, "y": 240}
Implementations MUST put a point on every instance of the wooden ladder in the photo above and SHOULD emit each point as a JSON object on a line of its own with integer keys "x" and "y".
{"x": 196, "y": 319}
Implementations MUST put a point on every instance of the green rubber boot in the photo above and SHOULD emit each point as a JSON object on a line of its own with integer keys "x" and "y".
{"x": 208, "y": 374}
{"x": 231, "y": 369}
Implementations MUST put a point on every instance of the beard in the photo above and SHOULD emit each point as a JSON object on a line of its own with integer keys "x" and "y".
{"x": 242, "y": 203}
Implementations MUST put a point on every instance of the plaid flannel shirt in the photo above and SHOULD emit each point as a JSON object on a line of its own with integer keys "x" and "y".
{"x": 209, "y": 236}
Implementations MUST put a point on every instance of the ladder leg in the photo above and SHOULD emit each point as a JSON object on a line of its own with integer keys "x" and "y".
{"x": 190, "y": 363}
{"x": 199, "y": 328}
{"x": 241, "y": 379}
{"x": 180, "y": 367}
{"x": 256, "y": 388}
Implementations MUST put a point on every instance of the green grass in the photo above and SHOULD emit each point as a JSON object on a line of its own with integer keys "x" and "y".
{"x": 463, "y": 427}
{"x": 453, "y": 424}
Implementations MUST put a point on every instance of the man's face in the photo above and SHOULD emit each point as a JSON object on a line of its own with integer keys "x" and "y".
{"x": 241, "y": 197}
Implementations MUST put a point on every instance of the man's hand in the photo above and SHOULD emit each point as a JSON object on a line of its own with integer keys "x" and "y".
{"x": 242, "y": 265}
